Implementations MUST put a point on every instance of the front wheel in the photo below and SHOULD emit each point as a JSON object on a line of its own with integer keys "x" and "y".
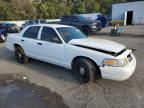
{"x": 86, "y": 31}
{"x": 20, "y": 55}
{"x": 85, "y": 70}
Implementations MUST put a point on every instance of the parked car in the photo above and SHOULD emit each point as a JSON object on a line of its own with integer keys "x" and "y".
{"x": 11, "y": 27}
{"x": 97, "y": 16}
{"x": 66, "y": 46}
{"x": 2, "y": 38}
{"x": 3, "y": 34}
{"x": 82, "y": 23}
{"x": 31, "y": 22}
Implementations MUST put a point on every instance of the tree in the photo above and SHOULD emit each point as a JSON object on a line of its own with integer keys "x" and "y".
{"x": 26, "y": 9}
{"x": 42, "y": 9}
{"x": 6, "y": 12}
{"x": 81, "y": 8}
{"x": 78, "y": 7}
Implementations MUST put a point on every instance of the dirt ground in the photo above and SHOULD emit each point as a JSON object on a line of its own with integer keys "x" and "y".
{"x": 100, "y": 94}
{"x": 17, "y": 92}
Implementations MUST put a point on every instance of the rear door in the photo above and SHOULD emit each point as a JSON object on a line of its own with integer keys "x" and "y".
{"x": 30, "y": 41}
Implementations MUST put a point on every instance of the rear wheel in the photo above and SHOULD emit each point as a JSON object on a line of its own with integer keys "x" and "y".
{"x": 84, "y": 70}
{"x": 20, "y": 55}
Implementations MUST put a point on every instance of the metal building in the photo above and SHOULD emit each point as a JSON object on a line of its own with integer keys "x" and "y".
{"x": 130, "y": 12}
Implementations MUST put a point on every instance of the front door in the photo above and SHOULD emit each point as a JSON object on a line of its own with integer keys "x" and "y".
{"x": 51, "y": 46}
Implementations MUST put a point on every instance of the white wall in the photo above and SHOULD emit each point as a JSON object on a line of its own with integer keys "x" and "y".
{"x": 119, "y": 9}
{"x": 19, "y": 23}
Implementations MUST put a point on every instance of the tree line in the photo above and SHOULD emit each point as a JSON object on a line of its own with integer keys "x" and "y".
{"x": 47, "y": 9}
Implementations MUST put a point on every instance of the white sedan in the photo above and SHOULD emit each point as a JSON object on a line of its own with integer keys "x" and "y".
{"x": 66, "y": 46}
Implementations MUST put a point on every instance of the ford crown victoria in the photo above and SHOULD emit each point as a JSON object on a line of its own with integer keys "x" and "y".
{"x": 66, "y": 46}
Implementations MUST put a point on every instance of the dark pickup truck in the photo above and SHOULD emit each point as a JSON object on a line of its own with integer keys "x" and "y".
{"x": 80, "y": 22}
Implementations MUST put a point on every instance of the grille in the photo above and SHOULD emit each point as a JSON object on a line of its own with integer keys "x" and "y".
{"x": 129, "y": 58}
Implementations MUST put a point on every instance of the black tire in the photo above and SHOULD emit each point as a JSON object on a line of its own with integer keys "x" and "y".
{"x": 84, "y": 70}
{"x": 20, "y": 55}
{"x": 86, "y": 31}
{"x": 1, "y": 40}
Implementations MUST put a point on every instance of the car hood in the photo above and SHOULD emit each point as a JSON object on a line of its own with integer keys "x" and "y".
{"x": 100, "y": 44}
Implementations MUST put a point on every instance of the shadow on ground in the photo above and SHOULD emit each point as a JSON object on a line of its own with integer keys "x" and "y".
{"x": 16, "y": 92}
{"x": 51, "y": 70}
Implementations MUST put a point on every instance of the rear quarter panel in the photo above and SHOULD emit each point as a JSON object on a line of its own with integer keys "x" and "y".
{"x": 11, "y": 40}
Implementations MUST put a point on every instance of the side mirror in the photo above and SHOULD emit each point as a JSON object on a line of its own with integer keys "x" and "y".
{"x": 55, "y": 40}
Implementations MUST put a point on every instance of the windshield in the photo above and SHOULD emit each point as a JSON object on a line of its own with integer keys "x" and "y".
{"x": 82, "y": 18}
{"x": 11, "y": 25}
{"x": 69, "y": 33}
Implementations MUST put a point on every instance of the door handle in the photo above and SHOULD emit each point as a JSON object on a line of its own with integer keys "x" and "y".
{"x": 22, "y": 40}
{"x": 39, "y": 43}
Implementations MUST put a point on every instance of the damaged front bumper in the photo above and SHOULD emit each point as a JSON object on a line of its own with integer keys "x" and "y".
{"x": 119, "y": 73}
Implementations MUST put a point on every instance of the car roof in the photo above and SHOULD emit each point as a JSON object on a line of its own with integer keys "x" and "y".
{"x": 52, "y": 25}
{"x": 35, "y": 20}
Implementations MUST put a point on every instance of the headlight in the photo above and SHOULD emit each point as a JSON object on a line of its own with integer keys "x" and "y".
{"x": 94, "y": 26}
{"x": 115, "y": 62}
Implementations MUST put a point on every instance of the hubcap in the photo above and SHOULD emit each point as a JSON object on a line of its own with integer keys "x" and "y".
{"x": 82, "y": 71}
{"x": 19, "y": 55}
{"x": 2, "y": 36}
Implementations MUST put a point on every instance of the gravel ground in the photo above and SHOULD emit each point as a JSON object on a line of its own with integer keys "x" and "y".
{"x": 100, "y": 94}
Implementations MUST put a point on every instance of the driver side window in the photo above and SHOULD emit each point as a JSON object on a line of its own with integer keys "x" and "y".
{"x": 49, "y": 34}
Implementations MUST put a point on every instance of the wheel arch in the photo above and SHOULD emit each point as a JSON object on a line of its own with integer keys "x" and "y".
{"x": 85, "y": 26}
{"x": 17, "y": 45}
{"x": 78, "y": 57}
{"x": 24, "y": 58}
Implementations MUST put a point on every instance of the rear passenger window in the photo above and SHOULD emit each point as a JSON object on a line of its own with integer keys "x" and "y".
{"x": 32, "y": 32}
